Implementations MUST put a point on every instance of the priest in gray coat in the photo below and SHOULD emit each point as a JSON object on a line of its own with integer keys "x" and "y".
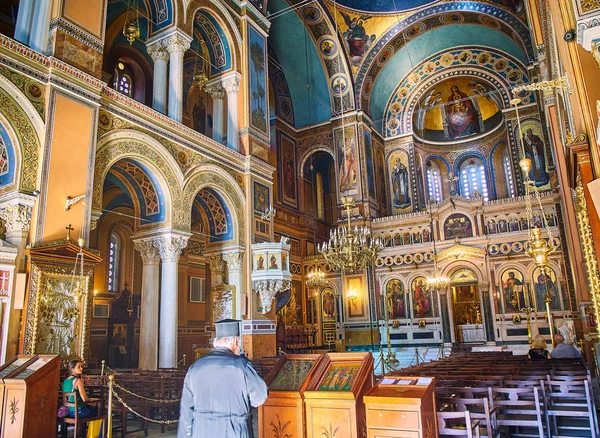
{"x": 219, "y": 390}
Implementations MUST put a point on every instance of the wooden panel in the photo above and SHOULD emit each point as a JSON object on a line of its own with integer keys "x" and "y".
{"x": 378, "y": 433}
{"x": 279, "y": 420}
{"x": 400, "y": 419}
{"x": 328, "y": 421}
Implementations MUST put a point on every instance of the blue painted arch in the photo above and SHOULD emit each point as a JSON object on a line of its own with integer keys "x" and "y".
{"x": 216, "y": 40}
{"x": 8, "y": 162}
{"x": 213, "y": 214}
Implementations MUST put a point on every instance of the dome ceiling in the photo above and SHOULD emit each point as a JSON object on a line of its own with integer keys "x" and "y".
{"x": 457, "y": 108}
{"x": 384, "y": 6}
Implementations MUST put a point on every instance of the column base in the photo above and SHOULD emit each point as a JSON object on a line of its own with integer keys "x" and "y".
{"x": 258, "y": 338}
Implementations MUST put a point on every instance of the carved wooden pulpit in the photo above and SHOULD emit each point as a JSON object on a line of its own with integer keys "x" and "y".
{"x": 59, "y": 302}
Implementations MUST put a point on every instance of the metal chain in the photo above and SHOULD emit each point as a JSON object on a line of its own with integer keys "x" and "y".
{"x": 155, "y": 400}
{"x": 140, "y": 415}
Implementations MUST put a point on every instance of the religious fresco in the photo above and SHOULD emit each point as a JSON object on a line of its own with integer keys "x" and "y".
{"x": 457, "y": 108}
{"x": 261, "y": 198}
{"x": 381, "y": 181}
{"x": 293, "y": 309}
{"x": 291, "y": 375}
{"x": 535, "y": 150}
{"x": 355, "y": 306}
{"x": 289, "y": 189}
{"x": 339, "y": 377}
{"x": 422, "y": 305}
{"x": 258, "y": 81}
{"x": 328, "y": 305}
{"x": 458, "y": 226}
{"x": 370, "y": 164}
{"x": 545, "y": 285}
{"x": 395, "y": 299}
{"x": 347, "y": 160}
{"x": 7, "y": 158}
{"x": 356, "y": 39}
{"x": 400, "y": 182}
{"x": 513, "y": 288}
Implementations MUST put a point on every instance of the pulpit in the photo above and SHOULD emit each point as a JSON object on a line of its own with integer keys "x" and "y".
{"x": 11, "y": 366}
{"x": 30, "y": 398}
{"x": 402, "y": 407}
{"x": 334, "y": 399}
{"x": 283, "y": 411}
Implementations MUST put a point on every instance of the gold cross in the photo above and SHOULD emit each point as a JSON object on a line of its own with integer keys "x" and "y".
{"x": 69, "y": 229}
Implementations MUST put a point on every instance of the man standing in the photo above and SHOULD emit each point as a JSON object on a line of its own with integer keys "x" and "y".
{"x": 562, "y": 350}
{"x": 219, "y": 390}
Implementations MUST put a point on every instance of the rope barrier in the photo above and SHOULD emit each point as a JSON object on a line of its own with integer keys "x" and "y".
{"x": 113, "y": 392}
{"x": 155, "y": 400}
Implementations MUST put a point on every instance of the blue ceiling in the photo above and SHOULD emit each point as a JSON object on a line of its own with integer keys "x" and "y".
{"x": 384, "y": 5}
{"x": 436, "y": 40}
{"x": 287, "y": 39}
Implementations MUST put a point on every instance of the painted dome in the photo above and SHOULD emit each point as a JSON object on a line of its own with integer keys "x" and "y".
{"x": 383, "y": 5}
{"x": 457, "y": 108}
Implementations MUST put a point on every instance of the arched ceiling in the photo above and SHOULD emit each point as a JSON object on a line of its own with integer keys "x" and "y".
{"x": 384, "y": 6}
{"x": 297, "y": 56}
{"x": 217, "y": 213}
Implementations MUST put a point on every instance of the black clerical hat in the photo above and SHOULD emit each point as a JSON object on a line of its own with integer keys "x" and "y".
{"x": 227, "y": 327}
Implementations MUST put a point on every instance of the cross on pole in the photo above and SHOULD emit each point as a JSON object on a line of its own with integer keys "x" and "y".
{"x": 69, "y": 229}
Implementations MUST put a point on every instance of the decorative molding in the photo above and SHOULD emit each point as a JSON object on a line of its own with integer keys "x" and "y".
{"x": 148, "y": 251}
{"x": 170, "y": 246}
{"x": 79, "y": 34}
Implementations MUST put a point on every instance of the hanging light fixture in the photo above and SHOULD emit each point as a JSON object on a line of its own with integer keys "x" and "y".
{"x": 131, "y": 28}
{"x": 437, "y": 281}
{"x": 350, "y": 248}
{"x": 200, "y": 78}
{"x": 315, "y": 279}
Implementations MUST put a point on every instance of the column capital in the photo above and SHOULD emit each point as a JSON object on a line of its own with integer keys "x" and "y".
{"x": 234, "y": 260}
{"x": 17, "y": 219}
{"x": 169, "y": 246}
{"x": 231, "y": 84}
{"x": 177, "y": 42}
{"x": 216, "y": 91}
{"x": 216, "y": 263}
{"x": 148, "y": 251}
{"x": 158, "y": 50}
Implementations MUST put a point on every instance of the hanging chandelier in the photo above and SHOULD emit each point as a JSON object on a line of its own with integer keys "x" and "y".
{"x": 131, "y": 28}
{"x": 315, "y": 279}
{"x": 200, "y": 78}
{"x": 437, "y": 281}
{"x": 350, "y": 248}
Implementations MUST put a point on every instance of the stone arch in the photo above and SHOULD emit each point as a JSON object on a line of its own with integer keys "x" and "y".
{"x": 210, "y": 176}
{"x": 129, "y": 144}
{"x": 451, "y": 268}
{"x": 306, "y": 155}
{"x": 26, "y": 130}
{"x": 222, "y": 15}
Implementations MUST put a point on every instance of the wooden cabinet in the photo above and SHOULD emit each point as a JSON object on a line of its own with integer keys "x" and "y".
{"x": 283, "y": 412}
{"x": 31, "y": 398}
{"x": 401, "y": 408}
{"x": 334, "y": 399}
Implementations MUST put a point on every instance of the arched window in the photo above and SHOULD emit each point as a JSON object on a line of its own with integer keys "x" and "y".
{"x": 319, "y": 189}
{"x": 434, "y": 181}
{"x": 472, "y": 179}
{"x": 508, "y": 175}
{"x": 114, "y": 247}
{"x": 123, "y": 79}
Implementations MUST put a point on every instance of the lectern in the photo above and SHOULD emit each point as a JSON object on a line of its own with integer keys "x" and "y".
{"x": 402, "y": 407}
{"x": 283, "y": 411}
{"x": 31, "y": 397}
{"x": 334, "y": 399}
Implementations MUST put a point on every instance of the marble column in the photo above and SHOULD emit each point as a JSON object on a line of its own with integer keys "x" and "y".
{"x": 234, "y": 262}
{"x": 169, "y": 247}
{"x": 487, "y": 313}
{"x": 17, "y": 219}
{"x": 24, "y": 19}
{"x": 159, "y": 53}
{"x": 148, "y": 358}
{"x": 445, "y": 317}
{"x": 40, "y": 25}
{"x": 217, "y": 93}
{"x": 177, "y": 44}
{"x": 231, "y": 85}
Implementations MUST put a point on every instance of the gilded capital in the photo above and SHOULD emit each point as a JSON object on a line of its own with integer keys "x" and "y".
{"x": 158, "y": 51}
{"x": 177, "y": 43}
{"x": 216, "y": 91}
{"x": 170, "y": 246}
{"x": 216, "y": 264}
{"x": 234, "y": 260}
{"x": 148, "y": 252}
{"x": 231, "y": 85}
{"x": 17, "y": 219}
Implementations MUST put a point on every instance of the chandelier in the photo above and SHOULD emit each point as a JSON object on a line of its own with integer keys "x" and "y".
{"x": 200, "y": 78}
{"x": 315, "y": 279}
{"x": 437, "y": 281}
{"x": 350, "y": 248}
{"x": 131, "y": 28}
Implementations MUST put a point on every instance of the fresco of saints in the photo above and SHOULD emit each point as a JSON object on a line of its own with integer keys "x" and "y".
{"x": 328, "y": 304}
{"x": 348, "y": 166}
{"x": 356, "y": 37}
{"x": 395, "y": 302}
{"x": 461, "y": 114}
{"x": 400, "y": 185}
{"x": 534, "y": 150}
{"x": 422, "y": 304}
{"x": 513, "y": 289}
{"x": 544, "y": 285}
{"x": 289, "y": 175}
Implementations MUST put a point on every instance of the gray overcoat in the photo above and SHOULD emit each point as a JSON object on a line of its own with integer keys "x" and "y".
{"x": 218, "y": 391}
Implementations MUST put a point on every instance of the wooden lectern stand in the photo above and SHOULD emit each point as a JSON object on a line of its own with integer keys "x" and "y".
{"x": 334, "y": 399}
{"x": 30, "y": 398}
{"x": 283, "y": 412}
{"x": 402, "y": 407}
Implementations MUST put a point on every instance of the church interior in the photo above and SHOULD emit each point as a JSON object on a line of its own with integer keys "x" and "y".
{"x": 376, "y": 188}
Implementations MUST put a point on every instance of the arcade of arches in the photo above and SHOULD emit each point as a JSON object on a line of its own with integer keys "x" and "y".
{"x": 154, "y": 161}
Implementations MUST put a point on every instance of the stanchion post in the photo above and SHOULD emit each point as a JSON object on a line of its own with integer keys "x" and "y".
{"x": 102, "y": 371}
{"x": 184, "y": 356}
{"x": 110, "y": 402}
{"x": 417, "y": 354}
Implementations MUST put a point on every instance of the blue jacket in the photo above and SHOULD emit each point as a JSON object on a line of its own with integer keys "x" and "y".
{"x": 218, "y": 392}
{"x": 565, "y": 351}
